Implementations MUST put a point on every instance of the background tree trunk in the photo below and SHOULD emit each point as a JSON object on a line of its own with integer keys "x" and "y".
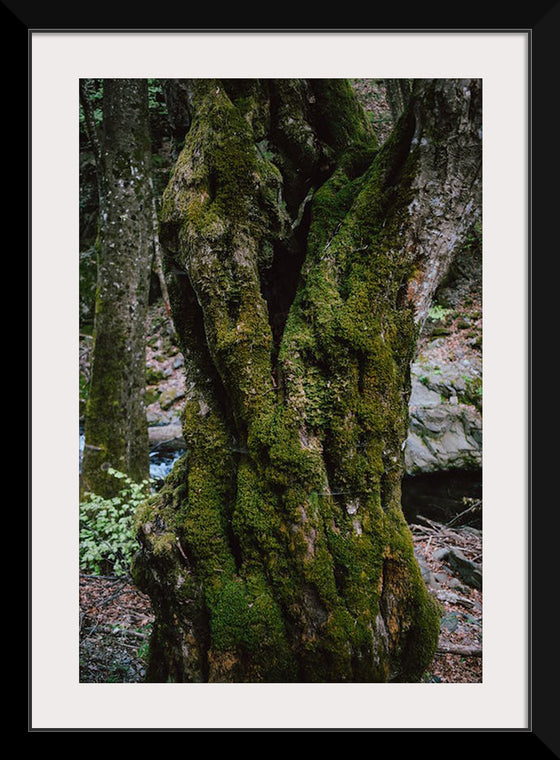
{"x": 304, "y": 261}
{"x": 115, "y": 421}
{"x": 398, "y": 95}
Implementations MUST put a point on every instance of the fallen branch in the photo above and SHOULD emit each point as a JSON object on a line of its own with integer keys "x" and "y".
{"x": 114, "y": 630}
{"x": 465, "y": 651}
{"x": 431, "y": 523}
{"x": 421, "y": 529}
{"x": 451, "y": 598}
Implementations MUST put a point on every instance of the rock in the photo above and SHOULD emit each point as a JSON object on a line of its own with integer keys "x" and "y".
{"x": 441, "y": 554}
{"x": 473, "y": 531}
{"x": 170, "y": 395}
{"x": 450, "y": 621}
{"x": 450, "y": 597}
{"x": 456, "y": 584}
{"x": 445, "y": 431}
{"x": 422, "y": 396}
{"x": 427, "y": 574}
{"x": 152, "y": 417}
{"x": 166, "y": 437}
{"x": 430, "y": 579}
{"x": 468, "y": 571}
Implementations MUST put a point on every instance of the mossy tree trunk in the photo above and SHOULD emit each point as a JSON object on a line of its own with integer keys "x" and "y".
{"x": 116, "y": 431}
{"x": 303, "y": 261}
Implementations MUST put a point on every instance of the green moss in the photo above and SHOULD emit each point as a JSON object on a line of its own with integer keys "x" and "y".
{"x": 153, "y": 376}
{"x": 256, "y": 519}
{"x": 440, "y": 331}
{"x": 152, "y": 395}
{"x": 247, "y": 622}
{"x": 351, "y": 125}
{"x": 473, "y": 392}
{"x": 419, "y": 619}
{"x": 106, "y": 427}
{"x": 344, "y": 359}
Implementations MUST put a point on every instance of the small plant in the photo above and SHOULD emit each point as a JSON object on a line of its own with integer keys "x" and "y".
{"x": 118, "y": 673}
{"x": 156, "y": 97}
{"x": 144, "y": 648}
{"x": 438, "y": 313}
{"x": 83, "y": 388}
{"x": 107, "y": 540}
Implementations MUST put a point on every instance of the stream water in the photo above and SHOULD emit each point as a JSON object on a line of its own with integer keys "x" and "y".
{"x": 161, "y": 461}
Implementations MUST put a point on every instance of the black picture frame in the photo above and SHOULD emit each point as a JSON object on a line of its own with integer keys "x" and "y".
{"x": 541, "y": 22}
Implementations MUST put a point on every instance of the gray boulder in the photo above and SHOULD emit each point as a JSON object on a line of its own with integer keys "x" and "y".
{"x": 445, "y": 430}
{"x": 468, "y": 571}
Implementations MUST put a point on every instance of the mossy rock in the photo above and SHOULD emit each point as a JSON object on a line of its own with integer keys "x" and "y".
{"x": 154, "y": 376}
{"x": 439, "y": 331}
{"x": 169, "y": 396}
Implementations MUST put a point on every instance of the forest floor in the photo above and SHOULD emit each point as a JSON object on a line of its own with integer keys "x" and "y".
{"x": 116, "y": 618}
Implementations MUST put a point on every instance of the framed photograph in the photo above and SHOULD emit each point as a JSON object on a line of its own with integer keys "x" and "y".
{"x": 499, "y": 696}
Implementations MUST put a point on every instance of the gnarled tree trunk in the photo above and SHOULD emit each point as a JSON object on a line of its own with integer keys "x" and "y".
{"x": 303, "y": 261}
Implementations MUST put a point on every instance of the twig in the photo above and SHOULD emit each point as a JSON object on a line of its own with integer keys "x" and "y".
{"x": 89, "y": 633}
{"x": 108, "y": 599}
{"x": 139, "y": 616}
{"x": 470, "y": 510}
{"x": 128, "y": 646}
{"x": 325, "y": 249}
{"x": 125, "y": 632}
{"x": 158, "y": 262}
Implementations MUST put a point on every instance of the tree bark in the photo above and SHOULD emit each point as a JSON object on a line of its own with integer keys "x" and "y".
{"x": 304, "y": 262}
{"x": 116, "y": 432}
